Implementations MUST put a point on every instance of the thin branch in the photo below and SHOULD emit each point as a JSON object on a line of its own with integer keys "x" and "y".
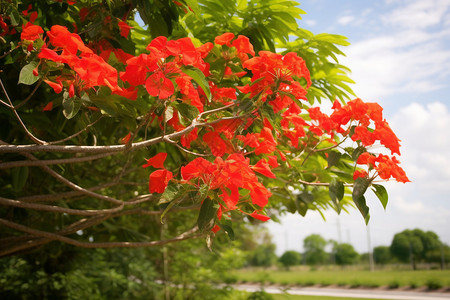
{"x": 185, "y": 235}
{"x": 183, "y": 149}
{"x": 38, "y": 163}
{"x": 6, "y": 148}
{"x": 58, "y": 209}
{"x": 67, "y": 195}
{"x": 77, "y": 133}
{"x": 72, "y": 185}
{"x": 29, "y": 134}
{"x": 321, "y": 183}
{"x": 30, "y": 241}
{"x": 29, "y": 96}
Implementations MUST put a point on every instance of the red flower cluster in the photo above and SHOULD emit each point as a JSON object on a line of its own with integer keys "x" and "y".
{"x": 277, "y": 75}
{"x": 385, "y": 166}
{"x": 229, "y": 176}
{"x": 160, "y": 178}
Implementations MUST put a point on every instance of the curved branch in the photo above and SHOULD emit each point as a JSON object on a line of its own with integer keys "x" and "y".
{"x": 29, "y": 96}
{"x": 72, "y": 185}
{"x": 39, "y": 163}
{"x": 58, "y": 209}
{"x": 53, "y": 236}
{"x": 71, "y": 194}
{"x": 29, "y": 134}
{"x": 77, "y": 133}
{"x": 7, "y": 148}
{"x": 22, "y": 243}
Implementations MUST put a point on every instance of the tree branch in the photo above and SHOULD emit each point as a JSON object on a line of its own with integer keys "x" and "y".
{"x": 29, "y": 134}
{"x": 53, "y": 236}
{"x": 39, "y": 163}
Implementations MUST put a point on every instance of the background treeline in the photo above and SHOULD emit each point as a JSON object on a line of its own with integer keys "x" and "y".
{"x": 415, "y": 247}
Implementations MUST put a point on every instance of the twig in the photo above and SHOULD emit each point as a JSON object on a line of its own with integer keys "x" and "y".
{"x": 77, "y": 133}
{"x": 29, "y": 134}
{"x": 29, "y": 96}
{"x": 53, "y": 236}
{"x": 38, "y": 163}
{"x": 58, "y": 209}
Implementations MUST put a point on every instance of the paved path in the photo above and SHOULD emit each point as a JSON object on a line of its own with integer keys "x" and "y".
{"x": 348, "y": 293}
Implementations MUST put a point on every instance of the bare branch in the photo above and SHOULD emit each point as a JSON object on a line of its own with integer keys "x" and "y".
{"x": 58, "y": 209}
{"x": 15, "y": 244}
{"x": 77, "y": 133}
{"x": 29, "y": 134}
{"x": 5, "y": 148}
{"x": 53, "y": 236}
{"x": 38, "y": 163}
{"x": 29, "y": 96}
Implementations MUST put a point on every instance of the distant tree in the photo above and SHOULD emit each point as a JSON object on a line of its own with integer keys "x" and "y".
{"x": 264, "y": 254}
{"x": 314, "y": 246}
{"x": 382, "y": 255}
{"x": 290, "y": 258}
{"x": 413, "y": 245}
{"x": 441, "y": 255}
{"x": 345, "y": 254}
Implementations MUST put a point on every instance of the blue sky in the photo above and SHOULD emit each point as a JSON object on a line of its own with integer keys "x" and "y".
{"x": 400, "y": 58}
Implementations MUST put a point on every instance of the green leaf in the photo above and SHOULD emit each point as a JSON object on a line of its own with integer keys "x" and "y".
{"x": 333, "y": 158}
{"x": 26, "y": 75}
{"x": 14, "y": 17}
{"x": 188, "y": 111}
{"x": 359, "y": 188}
{"x": 357, "y": 152}
{"x": 71, "y": 106}
{"x": 381, "y": 193}
{"x": 336, "y": 191}
{"x": 19, "y": 177}
{"x": 168, "y": 113}
{"x": 229, "y": 230}
{"x": 207, "y": 215}
{"x": 170, "y": 193}
{"x": 199, "y": 78}
{"x": 363, "y": 208}
{"x": 168, "y": 208}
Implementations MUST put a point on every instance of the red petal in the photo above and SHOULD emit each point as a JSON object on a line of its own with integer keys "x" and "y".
{"x": 156, "y": 161}
{"x": 263, "y": 218}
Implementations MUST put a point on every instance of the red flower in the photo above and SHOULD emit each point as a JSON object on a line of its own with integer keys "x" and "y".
{"x": 359, "y": 173}
{"x": 242, "y": 44}
{"x": 263, "y": 168}
{"x": 157, "y": 85}
{"x": 48, "y": 107}
{"x": 31, "y": 32}
{"x": 156, "y": 161}
{"x": 217, "y": 145}
{"x": 124, "y": 29}
{"x": 159, "y": 180}
{"x": 224, "y": 39}
{"x": 260, "y": 217}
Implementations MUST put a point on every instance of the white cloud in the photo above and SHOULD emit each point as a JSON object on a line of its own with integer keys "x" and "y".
{"x": 424, "y": 131}
{"x": 344, "y": 20}
{"x": 418, "y": 14}
{"x": 310, "y": 23}
{"x": 405, "y": 57}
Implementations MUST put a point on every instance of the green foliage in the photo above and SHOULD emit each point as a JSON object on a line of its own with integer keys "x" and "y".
{"x": 75, "y": 274}
{"x": 382, "y": 255}
{"x": 413, "y": 245}
{"x": 345, "y": 254}
{"x": 290, "y": 258}
{"x": 314, "y": 250}
{"x": 349, "y": 277}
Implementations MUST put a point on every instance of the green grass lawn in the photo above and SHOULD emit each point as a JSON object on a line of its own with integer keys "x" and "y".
{"x": 296, "y": 297}
{"x": 433, "y": 279}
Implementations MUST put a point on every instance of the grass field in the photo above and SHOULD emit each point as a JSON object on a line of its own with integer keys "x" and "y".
{"x": 295, "y": 297}
{"x": 432, "y": 279}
